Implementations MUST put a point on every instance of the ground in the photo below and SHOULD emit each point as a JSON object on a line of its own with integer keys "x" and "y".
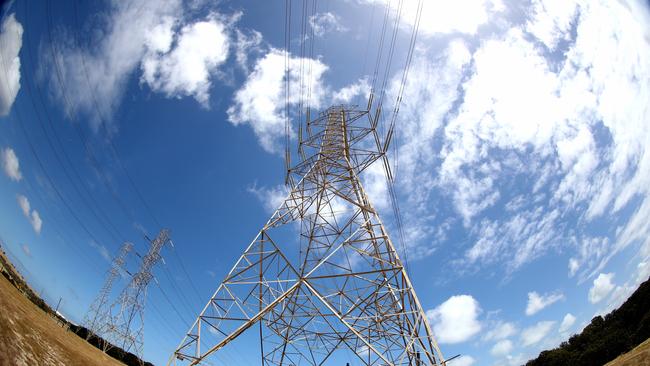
{"x": 639, "y": 356}
{"x": 29, "y": 337}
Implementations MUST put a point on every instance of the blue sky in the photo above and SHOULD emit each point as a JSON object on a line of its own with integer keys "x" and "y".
{"x": 522, "y": 166}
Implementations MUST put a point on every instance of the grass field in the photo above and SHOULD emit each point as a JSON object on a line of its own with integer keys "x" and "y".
{"x": 30, "y": 337}
{"x": 639, "y": 356}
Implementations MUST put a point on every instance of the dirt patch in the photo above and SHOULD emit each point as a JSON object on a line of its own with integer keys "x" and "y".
{"x": 29, "y": 336}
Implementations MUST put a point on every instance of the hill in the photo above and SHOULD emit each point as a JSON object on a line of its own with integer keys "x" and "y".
{"x": 638, "y": 356}
{"x": 605, "y": 338}
{"x": 35, "y": 334}
{"x": 29, "y": 336}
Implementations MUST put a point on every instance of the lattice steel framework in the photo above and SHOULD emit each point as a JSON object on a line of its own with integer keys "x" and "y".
{"x": 98, "y": 315}
{"x": 126, "y": 328}
{"x": 345, "y": 291}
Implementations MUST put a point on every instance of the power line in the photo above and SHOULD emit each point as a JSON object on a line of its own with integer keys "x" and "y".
{"x": 104, "y": 220}
{"x": 116, "y": 156}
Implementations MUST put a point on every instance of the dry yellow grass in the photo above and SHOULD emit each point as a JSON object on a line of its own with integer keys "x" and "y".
{"x": 30, "y": 337}
{"x": 639, "y": 356}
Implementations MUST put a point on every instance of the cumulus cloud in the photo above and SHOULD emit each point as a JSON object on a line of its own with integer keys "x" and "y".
{"x": 536, "y": 333}
{"x": 537, "y": 302}
{"x": 10, "y": 164}
{"x": 567, "y": 323}
{"x": 502, "y": 348}
{"x": 32, "y": 215}
{"x": 177, "y": 58}
{"x": 323, "y": 23}
{"x": 622, "y": 292}
{"x": 601, "y": 287}
{"x": 186, "y": 68}
{"x": 496, "y": 113}
{"x": 549, "y": 134}
{"x": 95, "y": 78}
{"x": 261, "y": 101}
{"x": 11, "y": 40}
{"x": 456, "y": 320}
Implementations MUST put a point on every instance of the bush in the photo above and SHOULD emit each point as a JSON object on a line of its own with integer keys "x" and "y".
{"x": 606, "y": 338}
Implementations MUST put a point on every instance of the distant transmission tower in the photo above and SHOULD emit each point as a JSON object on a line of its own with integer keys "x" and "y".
{"x": 345, "y": 296}
{"x": 98, "y": 314}
{"x": 126, "y": 329}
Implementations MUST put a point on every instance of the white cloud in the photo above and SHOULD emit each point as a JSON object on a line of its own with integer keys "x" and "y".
{"x": 498, "y": 111}
{"x": 429, "y": 95}
{"x": 502, "y": 348}
{"x": 177, "y": 58}
{"x": 346, "y": 94}
{"x": 622, "y": 292}
{"x": 602, "y": 286}
{"x": 23, "y": 202}
{"x": 185, "y": 70}
{"x": 573, "y": 266}
{"x": 464, "y": 360}
{"x": 536, "y": 333}
{"x": 261, "y": 101}
{"x": 643, "y": 272}
{"x": 375, "y": 185}
{"x": 94, "y": 79}
{"x": 10, "y": 164}
{"x": 26, "y": 250}
{"x": 11, "y": 40}
{"x": 271, "y": 198}
{"x": 551, "y": 20}
{"x": 32, "y": 215}
{"x": 531, "y": 229}
{"x": 246, "y": 43}
{"x": 102, "y": 251}
{"x": 35, "y": 220}
{"x": 591, "y": 251}
{"x": 500, "y": 331}
{"x": 567, "y": 322}
{"x": 328, "y": 22}
{"x": 537, "y": 302}
{"x": 556, "y": 128}
{"x": 456, "y": 320}
{"x": 442, "y": 17}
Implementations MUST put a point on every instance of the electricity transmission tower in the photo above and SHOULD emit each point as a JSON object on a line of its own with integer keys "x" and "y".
{"x": 98, "y": 315}
{"x": 126, "y": 326}
{"x": 345, "y": 294}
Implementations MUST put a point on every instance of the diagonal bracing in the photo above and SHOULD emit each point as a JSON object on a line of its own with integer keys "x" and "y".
{"x": 322, "y": 280}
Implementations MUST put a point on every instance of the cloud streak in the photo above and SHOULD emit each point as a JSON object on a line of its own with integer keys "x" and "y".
{"x": 537, "y": 302}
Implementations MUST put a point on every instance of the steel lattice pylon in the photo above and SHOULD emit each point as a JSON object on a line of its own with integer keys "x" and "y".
{"x": 98, "y": 316}
{"x": 345, "y": 291}
{"x": 126, "y": 327}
